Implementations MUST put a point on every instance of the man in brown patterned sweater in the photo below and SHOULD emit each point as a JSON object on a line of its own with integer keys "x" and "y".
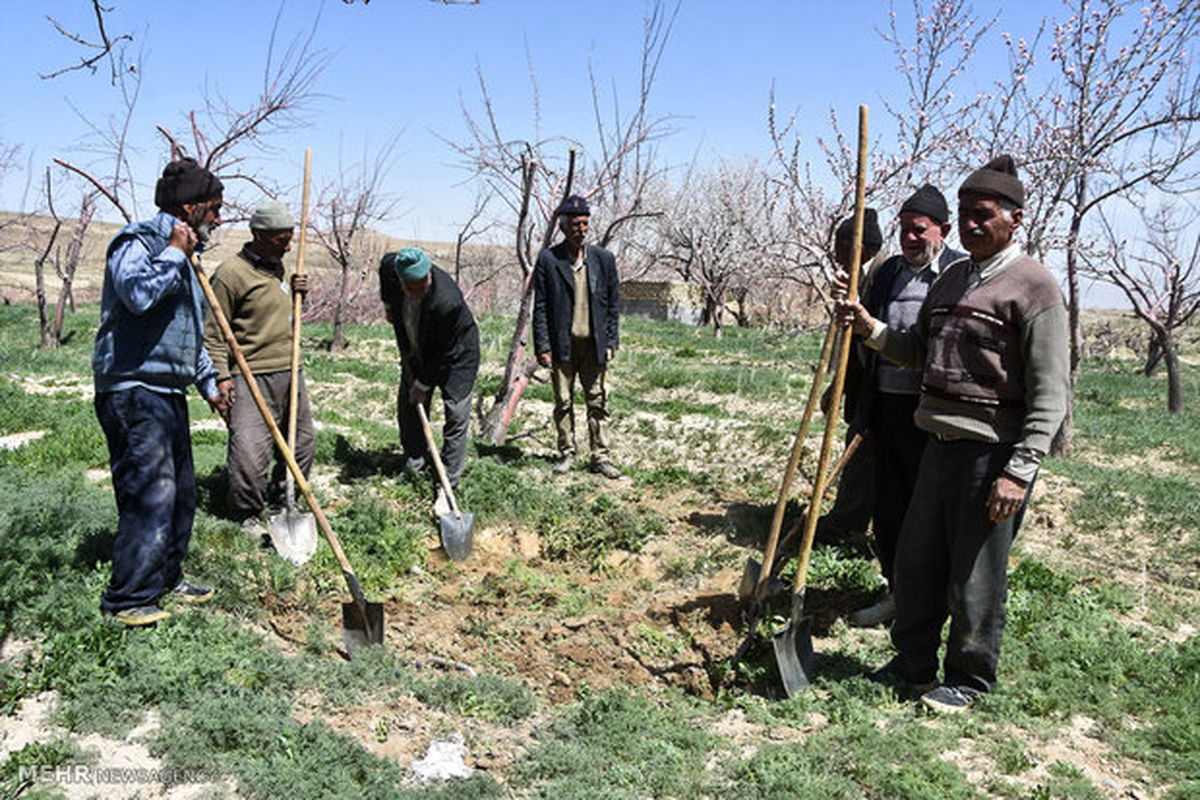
{"x": 991, "y": 341}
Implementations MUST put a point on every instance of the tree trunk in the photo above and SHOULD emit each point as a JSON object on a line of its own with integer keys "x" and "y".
{"x": 517, "y": 372}
{"x": 339, "y": 313}
{"x": 1154, "y": 355}
{"x": 1174, "y": 377}
{"x": 39, "y": 275}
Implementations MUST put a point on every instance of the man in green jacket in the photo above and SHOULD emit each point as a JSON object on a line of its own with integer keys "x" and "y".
{"x": 255, "y": 297}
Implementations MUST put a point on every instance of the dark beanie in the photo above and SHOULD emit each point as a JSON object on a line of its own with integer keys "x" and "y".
{"x": 928, "y": 201}
{"x": 998, "y": 177}
{"x": 872, "y": 236}
{"x": 573, "y": 206}
{"x": 185, "y": 181}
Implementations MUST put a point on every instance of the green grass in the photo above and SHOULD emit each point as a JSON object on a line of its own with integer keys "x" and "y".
{"x": 229, "y": 697}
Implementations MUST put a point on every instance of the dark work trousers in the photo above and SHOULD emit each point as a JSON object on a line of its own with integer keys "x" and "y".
{"x": 583, "y": 364}
{"x": 454, "y": 429}
{"x": 898, "y": 447}
{"x": 952, "y": 560}
{"x": 851, "y": 512}
{"x": 251, "y": 443}
{"x": 150, "y": 452}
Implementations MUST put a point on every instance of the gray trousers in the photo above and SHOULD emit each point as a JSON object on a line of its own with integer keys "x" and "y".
{"x": 251, "y": 444}
{"x": 583, "y": 365}
{"x": 851, "y": 513}
{"x": 454, "y": 430}
{"x": 952, "y": 560}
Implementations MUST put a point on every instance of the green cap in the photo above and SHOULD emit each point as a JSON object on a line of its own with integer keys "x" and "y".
{"x": 411, "y": 264}
{"x": 272, "y": 216}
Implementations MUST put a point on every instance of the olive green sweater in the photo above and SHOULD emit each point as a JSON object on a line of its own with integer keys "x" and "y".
{"x": 257, "y": 301}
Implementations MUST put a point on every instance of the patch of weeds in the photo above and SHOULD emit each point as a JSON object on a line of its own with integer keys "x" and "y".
{"x": 383, "y": 545}
{"x": 1010, "y": 756}
{"x": 592, "y": 532}
{"x": 21, "y": 771}
{"x": 1067, "y": 781}
{"x": 658, "y": 645}
{"x": 487, "y": 697}
{"x": 856, "y": 759}
{"x": 673, "y": 477}
{"x": 833, "y": 568}
{"x": 618, "y": 745}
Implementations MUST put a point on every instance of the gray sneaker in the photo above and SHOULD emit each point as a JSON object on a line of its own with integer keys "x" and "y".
{"x": 190, "y": 592}
{"x": 606, "y": 469}
{"x": 441, "y": 503}
{"x": 564, "y": 464}
{"x": 948, "y": 699}
{"x": 881, "y": 613}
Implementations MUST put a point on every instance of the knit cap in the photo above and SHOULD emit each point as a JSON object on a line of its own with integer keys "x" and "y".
{"x": 999, "y": 178}
{"x": 872, "y": 235}
{"x": 185, "y": 181}
{"x": 272, "y": 216}
{"x": 410, "y": 263}
{"x": 927, "y": 201}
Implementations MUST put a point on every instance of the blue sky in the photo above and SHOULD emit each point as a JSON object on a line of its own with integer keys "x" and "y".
{"x": 407, "y": 64}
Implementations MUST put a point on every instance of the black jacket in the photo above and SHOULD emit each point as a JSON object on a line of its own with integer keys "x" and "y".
{"x": 449, "y": 338}
{"x": 858, "y": 402}
{"x": 554, "y": 301}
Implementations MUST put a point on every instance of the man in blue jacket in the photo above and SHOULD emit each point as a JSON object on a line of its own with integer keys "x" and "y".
{"x": 149, "y": 347}
{"x": 575, "y": 320}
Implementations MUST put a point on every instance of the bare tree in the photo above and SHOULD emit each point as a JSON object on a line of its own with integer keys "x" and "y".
{"x": 344, "y": 213}
{"x": 95, "y": 51}
{"x": 476, "y": 265}
{"x": 524, "y": 175}
{"x": 1160, "y": 276}
{"x": 935, "y": 124}
{"x": 1115, "y": 115}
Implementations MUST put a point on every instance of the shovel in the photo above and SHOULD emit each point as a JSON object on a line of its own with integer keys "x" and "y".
{"x": 457, "y": 526}
{"x": 367, "y": 628}
{"x": 752, "y": 572}
{"x": 793, "y": 642}
{"x": 293, "y": 532}
{"x": 789, "y": 473}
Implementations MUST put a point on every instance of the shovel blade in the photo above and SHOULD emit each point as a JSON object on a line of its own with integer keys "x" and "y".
{"x": 750, "y": 575}
{"x": 457, "y": 535}
{"x": 294, "y": 535}
{"x": 794, "y": 655}
{"x": 354, "y": 633}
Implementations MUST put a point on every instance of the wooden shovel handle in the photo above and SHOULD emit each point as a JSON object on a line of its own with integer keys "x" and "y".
{"x": 437, "y": 460}
{"x": 297, "y": 309}
{"x": 280, "y": 442}
{"x": 839, "y": 378}
{"x": 789, "y": 473}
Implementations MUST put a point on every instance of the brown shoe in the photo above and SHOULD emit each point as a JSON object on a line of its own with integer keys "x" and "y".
{"x": 564, "y": 464}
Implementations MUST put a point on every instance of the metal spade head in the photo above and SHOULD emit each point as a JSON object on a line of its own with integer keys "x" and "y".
{"x": 357, "y": 632}
{"x": 456, "y": 534}
{"x": 794, "y": 652}
{"x": 294, "y": 535}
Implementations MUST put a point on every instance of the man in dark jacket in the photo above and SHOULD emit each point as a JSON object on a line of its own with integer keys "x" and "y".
{"x": 149, "y": 347}
{"x": 888, "y": 393}
{"x": 439, "y": 347}
{"x": 575, "y": 331}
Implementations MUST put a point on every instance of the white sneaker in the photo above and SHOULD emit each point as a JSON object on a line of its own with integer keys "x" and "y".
{"x": 881, "y": 613}
{"x": 441, "y": 504}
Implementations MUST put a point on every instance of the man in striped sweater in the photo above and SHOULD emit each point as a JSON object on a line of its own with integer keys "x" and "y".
{"x": 991, "y": 343}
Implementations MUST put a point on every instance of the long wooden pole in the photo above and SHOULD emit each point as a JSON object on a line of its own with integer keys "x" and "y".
{"x": 223, "y": 323}
{"x": 297, "y": 310}
{"x": 839, "y": 378}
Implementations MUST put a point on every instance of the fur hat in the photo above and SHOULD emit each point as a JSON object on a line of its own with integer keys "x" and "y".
{"x": 998, "y": 178}
{"x": 185, "y": 181}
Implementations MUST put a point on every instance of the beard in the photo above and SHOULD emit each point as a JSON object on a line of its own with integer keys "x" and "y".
{"x": 201, "y": 228}
{"x": 928, "y": 250}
